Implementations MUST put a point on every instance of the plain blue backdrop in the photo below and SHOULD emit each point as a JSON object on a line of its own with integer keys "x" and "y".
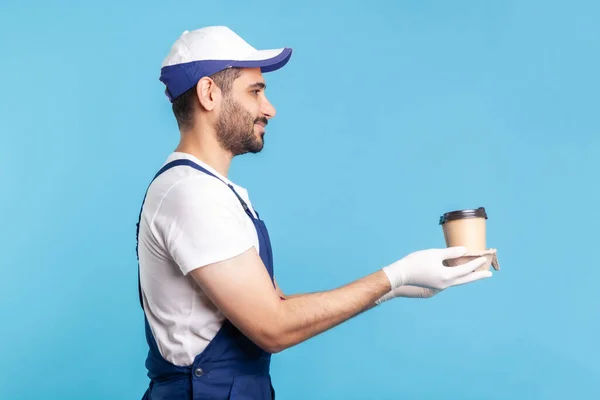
{"x": 389, "y": 114}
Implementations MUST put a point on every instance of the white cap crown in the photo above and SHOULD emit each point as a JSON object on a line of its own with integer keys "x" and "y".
{"x": 210, "y": 43}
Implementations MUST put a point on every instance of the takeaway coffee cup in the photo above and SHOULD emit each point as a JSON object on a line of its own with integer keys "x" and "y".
{"x": 465, "y": 228}
{"x": 468, "y": 228}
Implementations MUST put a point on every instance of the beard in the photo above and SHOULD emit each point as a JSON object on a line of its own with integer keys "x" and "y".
{"x": 235, "y": 129}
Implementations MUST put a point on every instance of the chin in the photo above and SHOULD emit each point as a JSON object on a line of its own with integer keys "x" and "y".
{"x": 258, "y": 145}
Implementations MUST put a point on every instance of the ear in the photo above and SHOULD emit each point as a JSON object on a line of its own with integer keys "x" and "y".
{"x": 208, "y": 93}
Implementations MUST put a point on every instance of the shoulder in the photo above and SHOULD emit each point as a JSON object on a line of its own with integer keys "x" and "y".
{"x": 197, "y": 192}
{"x": 198, "y": 186}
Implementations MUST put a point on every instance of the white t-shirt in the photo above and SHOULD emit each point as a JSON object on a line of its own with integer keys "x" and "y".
{"x": 189, "y": 219}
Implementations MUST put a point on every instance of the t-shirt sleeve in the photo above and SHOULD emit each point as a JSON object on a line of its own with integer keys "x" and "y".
{"x": 200, "y": 222}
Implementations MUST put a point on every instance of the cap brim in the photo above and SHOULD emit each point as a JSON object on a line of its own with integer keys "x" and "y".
{"x": 266, "y": 60}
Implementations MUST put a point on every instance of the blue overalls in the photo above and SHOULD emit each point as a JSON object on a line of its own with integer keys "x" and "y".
{"x": 231, "y": 366}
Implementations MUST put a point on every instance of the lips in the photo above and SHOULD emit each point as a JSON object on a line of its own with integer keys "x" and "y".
{"x": 262, "y": 121}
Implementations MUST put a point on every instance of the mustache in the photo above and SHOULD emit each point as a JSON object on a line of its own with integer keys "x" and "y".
{"x": 261, "y": 119}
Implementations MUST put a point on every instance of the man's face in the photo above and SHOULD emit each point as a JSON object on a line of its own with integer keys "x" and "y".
{"x": 244, "y": 114}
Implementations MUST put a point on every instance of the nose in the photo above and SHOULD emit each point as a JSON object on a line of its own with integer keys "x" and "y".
{"x": 267, "y": 109}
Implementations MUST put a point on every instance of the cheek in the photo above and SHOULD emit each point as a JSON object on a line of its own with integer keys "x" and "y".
{"x": 252, "y": 105}
{"x": 254, "y": 109}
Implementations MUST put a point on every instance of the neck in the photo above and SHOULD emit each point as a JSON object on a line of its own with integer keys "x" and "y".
{"x": 206, "y": 148}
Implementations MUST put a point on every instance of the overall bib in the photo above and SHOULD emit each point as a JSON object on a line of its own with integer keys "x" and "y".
{"x": 231, "y": 366}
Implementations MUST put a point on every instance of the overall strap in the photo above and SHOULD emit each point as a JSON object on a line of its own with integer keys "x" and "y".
{"x": 165, "y": 168}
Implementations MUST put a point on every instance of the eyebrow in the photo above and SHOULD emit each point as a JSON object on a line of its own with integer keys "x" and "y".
{"x": 257, "y": 85}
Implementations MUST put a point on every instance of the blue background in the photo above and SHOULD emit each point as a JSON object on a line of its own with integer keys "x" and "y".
{"x": 389, "y": 114}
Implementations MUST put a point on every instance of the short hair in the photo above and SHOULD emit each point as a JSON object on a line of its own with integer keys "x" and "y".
{"x": 184, "y": 105}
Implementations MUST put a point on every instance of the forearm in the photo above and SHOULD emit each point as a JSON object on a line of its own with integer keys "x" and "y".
{"x": 301, "y": 317}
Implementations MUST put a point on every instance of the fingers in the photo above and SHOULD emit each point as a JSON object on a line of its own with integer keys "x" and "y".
{"x": 414, "y": 291}
{"x": 453, "y": 252}
{"x": 469, "y": 267}
{"x": 472, "y": 277}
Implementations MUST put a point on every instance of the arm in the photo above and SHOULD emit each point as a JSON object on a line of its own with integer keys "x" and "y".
{"x": 241, "y": 288}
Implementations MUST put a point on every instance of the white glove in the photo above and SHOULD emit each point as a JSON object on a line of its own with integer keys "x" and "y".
{"x": 425, "y": 269}
{"x": 414, "y": 292}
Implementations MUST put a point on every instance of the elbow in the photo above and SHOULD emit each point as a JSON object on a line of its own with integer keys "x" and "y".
{"x": 270, "y": 332}
{"x": 273, "y": 348}
{"x": 272, "y": 341}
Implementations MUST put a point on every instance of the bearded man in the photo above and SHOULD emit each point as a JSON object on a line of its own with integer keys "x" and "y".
{"x": 214, "y": 313}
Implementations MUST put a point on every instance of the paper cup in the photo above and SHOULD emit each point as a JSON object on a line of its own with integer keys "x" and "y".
{"x": 468, "y": 228}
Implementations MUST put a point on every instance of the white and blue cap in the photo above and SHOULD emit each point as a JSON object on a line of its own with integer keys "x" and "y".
{"x": 203, "y": 52}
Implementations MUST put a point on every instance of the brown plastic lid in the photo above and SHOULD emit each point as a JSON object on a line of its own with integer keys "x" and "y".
{"x": 460, "y": 214}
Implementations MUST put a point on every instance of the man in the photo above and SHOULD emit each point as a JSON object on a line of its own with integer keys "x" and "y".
{"x": 214, "y": 313}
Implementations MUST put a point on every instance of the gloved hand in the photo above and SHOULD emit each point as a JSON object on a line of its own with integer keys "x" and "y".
{"x": 408, "y": 291}
{"x": 425, "y": 269}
